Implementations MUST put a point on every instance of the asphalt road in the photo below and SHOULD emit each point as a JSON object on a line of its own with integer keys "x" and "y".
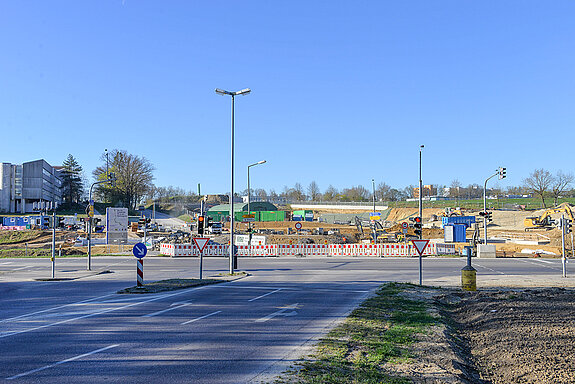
{"x": 244, "y": 331}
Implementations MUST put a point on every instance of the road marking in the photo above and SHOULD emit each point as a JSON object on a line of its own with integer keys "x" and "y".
{"x": 280, "y": 312}
{"x": 6, "y": 334}
{"x": 55, "y": 308}
{"x": 200, "y": 318}
{"x": 62, "y": 362}
{"x": 543, "y": 261}
{"x": 545, "y": 266}
{"x": 492, "y": 270}
{"x": 167, "y": 310}
{"x": 267, "y": 294}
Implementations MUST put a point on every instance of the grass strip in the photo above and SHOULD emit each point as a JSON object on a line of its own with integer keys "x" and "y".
{"x": 378, "y": 332}
{"x": 170, "y": 285}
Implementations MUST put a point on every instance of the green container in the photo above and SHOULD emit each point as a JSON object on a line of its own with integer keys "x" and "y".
{"x": 272, "y": 216}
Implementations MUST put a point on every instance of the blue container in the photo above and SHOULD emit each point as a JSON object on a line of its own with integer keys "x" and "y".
{"x": 467, "y": 220}
{"x": 459, "y": 233}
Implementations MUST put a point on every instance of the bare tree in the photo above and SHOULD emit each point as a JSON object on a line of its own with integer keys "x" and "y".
{"x": 313, "y": 191}
{"x": 330, "y": 193}
{"x": 298, "y": 192}
{"x": 454, "y": 190}
{"x": 134, "y": 177}
{"x": 538, "y": 183}
{"x": 382, "y": 191}
{"x": 561, "y": 183}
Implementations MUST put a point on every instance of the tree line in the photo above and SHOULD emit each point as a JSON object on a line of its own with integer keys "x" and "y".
{"x": 133, "y": 184}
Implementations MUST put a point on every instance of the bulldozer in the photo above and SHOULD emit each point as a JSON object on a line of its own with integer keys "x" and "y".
{"x": 545, "y": 221}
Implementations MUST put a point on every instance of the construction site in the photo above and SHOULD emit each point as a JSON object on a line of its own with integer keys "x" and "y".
{"x": 515, "y": 233}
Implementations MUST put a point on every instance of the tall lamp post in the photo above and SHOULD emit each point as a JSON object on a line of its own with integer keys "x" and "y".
{"x": 233, "y": 257}
{"x": 501, "y": 172}
{"x": 420, "y": 188}
{"x": 91, "y": 217}
{"x": 249, "y": 199}
{"x": 373, "y": 221}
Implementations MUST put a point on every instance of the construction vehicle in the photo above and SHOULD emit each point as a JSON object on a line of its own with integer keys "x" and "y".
{"x": 546, "y": 221}
{"x": 450, "y": 212}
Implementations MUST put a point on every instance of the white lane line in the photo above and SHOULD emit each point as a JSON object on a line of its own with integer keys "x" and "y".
{"x": 267, "y": 294}
{"x": 92, "y": 314}
{"x": 545, "y": 266}
{"x": 62, "y": 362}
{"x": 492, "y": 270}
{"x": 543, "y": 261}
{"x": 167, "y": 310}
{"x": 200, "y": 318}
{"x": 55, "y": 308}
{"x": 278, "y": 313}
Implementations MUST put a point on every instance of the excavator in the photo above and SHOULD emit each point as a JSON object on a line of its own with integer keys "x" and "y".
{"x": 545, "y": 221}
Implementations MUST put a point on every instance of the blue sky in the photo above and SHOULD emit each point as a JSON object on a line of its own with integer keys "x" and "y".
{"x": 342, "y": 92}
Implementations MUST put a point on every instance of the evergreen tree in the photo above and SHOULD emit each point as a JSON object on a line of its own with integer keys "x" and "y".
{"x": 72, "y": 185}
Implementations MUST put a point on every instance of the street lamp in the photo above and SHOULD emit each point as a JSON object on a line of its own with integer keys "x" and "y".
{"x": 501, "y": 173}
{"x": 249, "y": 198}
{"x": 233, "y": 260}
{"x": 420, "y": 187}
{"x": 249, "y": 190}
{"x": 373, "y": 221}
{"x": 91, "y": 216}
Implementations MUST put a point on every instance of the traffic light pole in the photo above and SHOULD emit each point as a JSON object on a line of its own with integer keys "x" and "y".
{"x": 485, "y": 205}
{"x": 53, "y": 243}
{"x": 90, "y": 217}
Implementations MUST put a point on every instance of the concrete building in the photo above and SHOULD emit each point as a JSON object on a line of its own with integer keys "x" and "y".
{"x": 26, "y": 187}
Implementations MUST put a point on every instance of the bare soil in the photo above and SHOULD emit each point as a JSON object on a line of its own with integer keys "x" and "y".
{"x": 519, "y": 336}
{"x": 496, "y": 337}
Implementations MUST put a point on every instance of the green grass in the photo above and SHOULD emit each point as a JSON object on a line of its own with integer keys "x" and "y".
{"x": 170, "y": 285}
{"x": 377, "y": 333}
{"x": 13, "y": 237}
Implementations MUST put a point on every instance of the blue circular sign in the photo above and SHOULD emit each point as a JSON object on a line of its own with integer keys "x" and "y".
{"x": 140, "y": 250}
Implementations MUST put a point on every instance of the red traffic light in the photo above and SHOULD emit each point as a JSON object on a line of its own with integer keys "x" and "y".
{"x": 200, "y": 218}
{"x": 417, "y": 219}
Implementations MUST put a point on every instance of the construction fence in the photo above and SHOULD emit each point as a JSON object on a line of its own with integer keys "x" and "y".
{"x": 327, "y": 250}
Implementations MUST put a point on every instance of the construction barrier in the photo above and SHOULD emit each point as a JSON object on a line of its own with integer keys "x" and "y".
{"x": 326, "y": 250}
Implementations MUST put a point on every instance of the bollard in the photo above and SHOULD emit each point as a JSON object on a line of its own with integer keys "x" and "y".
{"x": 468, "y": 278}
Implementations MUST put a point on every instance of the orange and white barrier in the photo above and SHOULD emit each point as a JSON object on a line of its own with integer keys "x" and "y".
{"x": 326, "y": 250}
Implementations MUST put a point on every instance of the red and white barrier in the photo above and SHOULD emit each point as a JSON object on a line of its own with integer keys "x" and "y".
{"x": 326, "y": 250}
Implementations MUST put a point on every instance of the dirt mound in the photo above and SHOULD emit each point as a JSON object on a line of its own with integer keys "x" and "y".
{"x": 521, "y": 336}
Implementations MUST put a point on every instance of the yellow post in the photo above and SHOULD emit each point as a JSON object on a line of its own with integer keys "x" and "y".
{"x": 468, "y": 278}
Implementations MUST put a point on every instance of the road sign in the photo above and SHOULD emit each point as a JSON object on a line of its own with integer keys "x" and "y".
{"x": 140, "y": 250}
{"x": 375, "y": 215}
{"x": 298, "y": 226}
{"x": 248, "y": 219}
{"x": 420, "y": 245}
{"x": 249, "y": 216}
{"x": 405, "y": 225}
{"x": 201, "y": 242}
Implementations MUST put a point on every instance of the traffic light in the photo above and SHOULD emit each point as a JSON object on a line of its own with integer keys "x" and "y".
{"x": 61, "y": 221}
{"x": 567, "y": 225}
{"x": 502, "y": 173}
{"x": 418, "y": 226}
{"x": 90, "y": 210}
{"x": 486, "y": 215}
{"x": 200, "y": 225}
{"x": 209, "y": 221}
